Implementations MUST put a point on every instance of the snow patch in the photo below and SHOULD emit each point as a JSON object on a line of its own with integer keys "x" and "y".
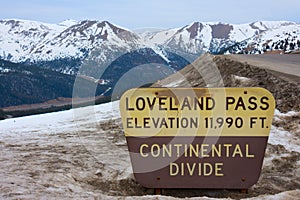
{"x": 5, "y": 70}
{"x": 57, "y": 122}
{"x": 240, "y": 78}
{"x": 285, "y": 138}
{"x": 278, "y": 135}
{"x": 175, "y": 83}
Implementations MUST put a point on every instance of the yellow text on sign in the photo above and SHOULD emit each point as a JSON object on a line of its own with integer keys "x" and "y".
{"x": 197, "y": 112}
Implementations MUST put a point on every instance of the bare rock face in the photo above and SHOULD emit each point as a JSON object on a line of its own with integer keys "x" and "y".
{"x": 221, "y": 31}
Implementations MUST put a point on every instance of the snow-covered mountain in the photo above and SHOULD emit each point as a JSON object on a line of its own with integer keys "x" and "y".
{"x": 22, "y": 40}
{"x": 217, "y": 37}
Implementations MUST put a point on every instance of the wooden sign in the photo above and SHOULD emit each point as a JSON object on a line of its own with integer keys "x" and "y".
{"x": 197, "y": 137}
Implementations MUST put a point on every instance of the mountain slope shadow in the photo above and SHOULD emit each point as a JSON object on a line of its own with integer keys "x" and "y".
{"x": 140, "y": 67}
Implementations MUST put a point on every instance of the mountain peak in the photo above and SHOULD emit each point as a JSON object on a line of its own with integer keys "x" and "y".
{"x": 68, "y": 22}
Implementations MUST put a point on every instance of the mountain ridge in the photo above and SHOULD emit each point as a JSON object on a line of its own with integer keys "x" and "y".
{"x": 25, "y": 40}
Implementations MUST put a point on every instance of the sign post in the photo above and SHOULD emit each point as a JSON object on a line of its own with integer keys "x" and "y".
{"x": 197, "y": 137}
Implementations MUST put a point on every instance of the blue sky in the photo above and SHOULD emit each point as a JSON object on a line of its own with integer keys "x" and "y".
{"x": 152, "y": 13}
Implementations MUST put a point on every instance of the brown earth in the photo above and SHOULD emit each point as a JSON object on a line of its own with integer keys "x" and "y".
{"x": 61, "y": 166}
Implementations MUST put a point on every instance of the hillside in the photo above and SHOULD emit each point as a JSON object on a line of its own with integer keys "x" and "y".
{"x": 34, "y": 89}
{"x": 280, "y": 74}
{"x": 32, "y": 84}
{"x": 22, "y": 84}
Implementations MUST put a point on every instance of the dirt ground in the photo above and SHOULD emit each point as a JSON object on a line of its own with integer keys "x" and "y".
{"x": 62, "y": 166}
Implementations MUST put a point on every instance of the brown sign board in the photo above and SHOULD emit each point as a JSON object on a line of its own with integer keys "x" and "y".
{"x": 197, "y": 137}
